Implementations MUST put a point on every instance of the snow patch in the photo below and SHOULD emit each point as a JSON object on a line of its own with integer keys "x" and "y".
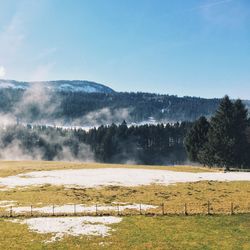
{"x": 114, "y": 176}
{"x": 7, "y": 203}
{"x": 74, "y": 226}
{"x": 80, "y": 208}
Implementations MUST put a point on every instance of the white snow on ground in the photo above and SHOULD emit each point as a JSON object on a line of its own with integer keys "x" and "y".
{"x": 69, "y": 208}
{"x": 75, "y": 226}
{"x": 6, "y": 203}
{"x": 114, "y": 176}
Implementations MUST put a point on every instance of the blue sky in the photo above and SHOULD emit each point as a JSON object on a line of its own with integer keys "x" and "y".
{"x": 183, "y": 47}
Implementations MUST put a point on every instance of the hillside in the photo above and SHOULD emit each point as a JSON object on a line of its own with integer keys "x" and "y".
{"x": 84, "y": 103}
{"x": 61, "y": 85}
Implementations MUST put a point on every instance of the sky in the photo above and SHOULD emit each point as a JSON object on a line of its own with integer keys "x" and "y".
{"x": 186, "y": 48}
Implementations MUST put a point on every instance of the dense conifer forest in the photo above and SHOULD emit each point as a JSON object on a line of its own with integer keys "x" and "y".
{"x": 147, "y": 144}
{"x": 133, "y": 107}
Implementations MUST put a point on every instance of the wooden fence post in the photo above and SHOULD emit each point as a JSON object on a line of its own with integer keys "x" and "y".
{"x": 74, "y": 209}
{"x": 163, "y": 209}
{"x": 185, "y": 209}
{"x": 10, "y": 211}
{"x": 53, "y": 210}
{"x": 208, "y": 208}
{"x": 96, "y": 212}
{"x": 31, "y": 210}
{"x": 140, "y": 209}
{"x": 232, "y": 208}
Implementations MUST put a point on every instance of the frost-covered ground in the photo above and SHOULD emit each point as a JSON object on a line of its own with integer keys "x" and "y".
{"x": 75, "y": 226}
{"x": 114, "y": 176}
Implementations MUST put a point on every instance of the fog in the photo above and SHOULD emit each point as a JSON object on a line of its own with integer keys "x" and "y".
{"x": 39, "y": 102}
{"x": 33, "y": 131}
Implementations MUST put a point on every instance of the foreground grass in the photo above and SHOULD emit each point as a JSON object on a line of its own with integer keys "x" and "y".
{"x": 8, "y": 168}
{"x": 139, "y": 232}
{"x": 195, "y": 194}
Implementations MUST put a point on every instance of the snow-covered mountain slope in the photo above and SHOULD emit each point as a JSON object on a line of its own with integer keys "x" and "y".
{"x": 61, "y": 85}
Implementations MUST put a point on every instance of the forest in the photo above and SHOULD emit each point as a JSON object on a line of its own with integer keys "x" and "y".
{"x": 104, "y": 108}
{"x": 211, "y": 132}
{"x": 146, "y": 144}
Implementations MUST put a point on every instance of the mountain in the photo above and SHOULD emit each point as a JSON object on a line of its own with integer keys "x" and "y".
{"x": 84, "y": 103}
{"x": 61, "y": 85}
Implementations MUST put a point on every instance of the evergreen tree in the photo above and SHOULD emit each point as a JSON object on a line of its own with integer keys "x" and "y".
{"x": 221, "y": 139}
{"x": 240, "y": 125}
{"x": 227, "y": 141}
{"x": 197, "y": 138}
{"x": 224, "y": 142}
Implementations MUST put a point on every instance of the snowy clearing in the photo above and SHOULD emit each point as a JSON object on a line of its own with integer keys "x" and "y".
{"x": 75, "y": 226}
{"x": 114, "y": 176}
{"x": 80, "y": 208}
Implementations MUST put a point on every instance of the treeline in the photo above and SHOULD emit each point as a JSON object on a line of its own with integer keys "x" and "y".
{"x": 224, "y": 141}
{"x": 141, "y": 106}
{"x": 147, "y": 144}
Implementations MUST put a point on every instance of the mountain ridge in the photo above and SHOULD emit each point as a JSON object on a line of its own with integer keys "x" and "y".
{"x": 59, "y": 85}
{"x": 88, "y": 103}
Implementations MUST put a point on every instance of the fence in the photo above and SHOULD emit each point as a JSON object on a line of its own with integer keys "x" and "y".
{"x": 207, "y": 208}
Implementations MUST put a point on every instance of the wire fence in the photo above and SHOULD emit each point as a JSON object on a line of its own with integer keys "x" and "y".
{"x": 205, "y": 208}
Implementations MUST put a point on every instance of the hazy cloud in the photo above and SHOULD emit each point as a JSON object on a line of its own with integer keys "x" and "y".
{"x": 105, "y": 116}
{"x": 46, "y": 53}
{"x": 225, "y": 13}
{"x": 11, "y": 37}
{"x": 2, "y": 71}
{"x": 42, "y": 72}
{"x": 210, "y": 4}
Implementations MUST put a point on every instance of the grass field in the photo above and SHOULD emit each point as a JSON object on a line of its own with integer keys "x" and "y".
{"x": 196, "y": 195}
{"x": 170, "y": 232}
{"x": 136, "y": 232}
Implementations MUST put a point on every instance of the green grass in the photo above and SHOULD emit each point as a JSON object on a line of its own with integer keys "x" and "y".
{"x": 138, "y": 232}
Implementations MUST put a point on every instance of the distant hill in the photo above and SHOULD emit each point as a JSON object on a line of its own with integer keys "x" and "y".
{"x": 61, "y": 85}
{"x": 84, "y": 103}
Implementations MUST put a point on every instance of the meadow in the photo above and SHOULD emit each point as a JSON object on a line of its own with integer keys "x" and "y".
{"x": 169, "y": 232}
{"x": 222, "y": 231}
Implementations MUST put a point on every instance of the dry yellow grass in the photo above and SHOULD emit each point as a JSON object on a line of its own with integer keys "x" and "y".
{"x": 8, "y": 168}
{"x": 196, "y": 195}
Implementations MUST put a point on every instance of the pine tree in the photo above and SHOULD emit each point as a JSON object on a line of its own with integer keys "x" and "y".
{"x": 197, "y": 138}
{"x": 227, "y": 142}
{"x": 240, "y": 125}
